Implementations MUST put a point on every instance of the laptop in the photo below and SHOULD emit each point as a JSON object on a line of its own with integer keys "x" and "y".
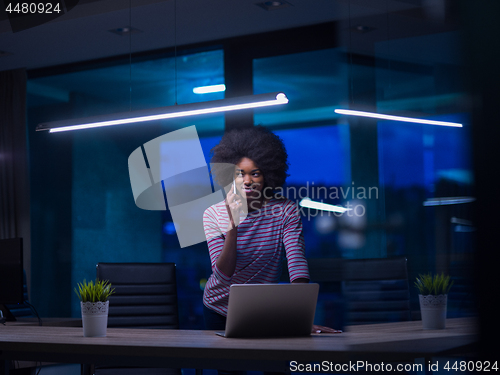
{"x": 270, "y": 310}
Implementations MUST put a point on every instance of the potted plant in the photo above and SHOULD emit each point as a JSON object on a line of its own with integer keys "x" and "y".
{"x": 95, "y": 304}
{"x": 433, "y": 296}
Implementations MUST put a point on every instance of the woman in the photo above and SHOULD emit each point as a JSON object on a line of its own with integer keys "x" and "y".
{"x": 250, "y": 232}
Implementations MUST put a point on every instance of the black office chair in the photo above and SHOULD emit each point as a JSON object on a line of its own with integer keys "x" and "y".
{"x": 327, "y": 272}
{"x": 145, "y": 297}
{"x": 376, "y": 290}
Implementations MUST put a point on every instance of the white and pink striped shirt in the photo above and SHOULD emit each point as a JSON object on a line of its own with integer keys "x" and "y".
{"x": 264, "y": 238}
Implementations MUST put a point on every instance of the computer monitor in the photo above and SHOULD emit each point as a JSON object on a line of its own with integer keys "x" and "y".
{"x": 11, "y": 274}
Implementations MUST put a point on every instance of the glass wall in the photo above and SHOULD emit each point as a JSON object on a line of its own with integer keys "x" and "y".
{"x": 193, "y": 262}
{"x": 397, "y": 171}
{"x": 83, "y": 208}
{"x": 318, "y": 147}
{"x": 420, "y": 164}
{"x": 393, "y": 175}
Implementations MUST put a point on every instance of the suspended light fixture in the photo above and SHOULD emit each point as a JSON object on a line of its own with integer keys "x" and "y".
{"x": 209, "y": 89}
{"x": 381, "y": 116}
{"x": 308, "y": 203}
{"x": 445, "y": 201}
{"x": 181, "y": 110}
{"x": 376, "y": 115}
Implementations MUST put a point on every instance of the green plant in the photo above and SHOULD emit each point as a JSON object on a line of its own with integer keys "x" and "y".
{"x": 435, "y": 285}
{"x": 94, "y": 292}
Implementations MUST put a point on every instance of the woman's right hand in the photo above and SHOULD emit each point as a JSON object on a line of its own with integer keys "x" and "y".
{"x": 234, "y": 206}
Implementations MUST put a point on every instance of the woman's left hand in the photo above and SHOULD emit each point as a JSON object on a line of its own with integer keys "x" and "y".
{"x": 323, "y": 329}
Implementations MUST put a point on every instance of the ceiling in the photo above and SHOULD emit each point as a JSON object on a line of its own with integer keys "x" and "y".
{"x": 82, "y": 34}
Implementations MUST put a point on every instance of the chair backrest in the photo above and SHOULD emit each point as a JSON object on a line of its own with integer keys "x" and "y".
{"x": 376, "y": 290}
{"x": 145, "y": 294}
{"x": 321, "y": 270}
{"x": 326, "y": 270}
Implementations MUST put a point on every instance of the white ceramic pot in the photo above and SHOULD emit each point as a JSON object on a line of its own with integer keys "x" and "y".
{"x": 94, "y": 318}
{"x": 433, "y": 310}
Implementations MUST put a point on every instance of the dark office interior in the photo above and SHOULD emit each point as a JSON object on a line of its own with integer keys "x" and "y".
{"x": 68, "y": 194}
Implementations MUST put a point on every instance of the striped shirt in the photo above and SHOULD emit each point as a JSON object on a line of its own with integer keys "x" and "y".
{"x": 264, "y": 238}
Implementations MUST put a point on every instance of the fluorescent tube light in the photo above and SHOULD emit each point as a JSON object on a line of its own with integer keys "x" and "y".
{"x": 448, "y": 200}
{"x": 181, "y": 110}
{"x": 308, "y": 203}
{"x": 456, "y": 220}
{"x": 209, "y": 89}
{"x": 395, "y": 118}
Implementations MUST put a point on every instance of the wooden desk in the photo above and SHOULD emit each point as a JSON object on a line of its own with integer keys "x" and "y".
{"x": 204, "y": 349}
{"x": 48, "y": 322}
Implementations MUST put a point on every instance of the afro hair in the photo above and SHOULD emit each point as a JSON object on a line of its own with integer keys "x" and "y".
{"x": 260, "y": 145}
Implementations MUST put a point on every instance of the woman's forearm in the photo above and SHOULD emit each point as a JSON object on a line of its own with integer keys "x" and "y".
{"x": 300, "y": 280}
{"x": 226, "y": 262}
